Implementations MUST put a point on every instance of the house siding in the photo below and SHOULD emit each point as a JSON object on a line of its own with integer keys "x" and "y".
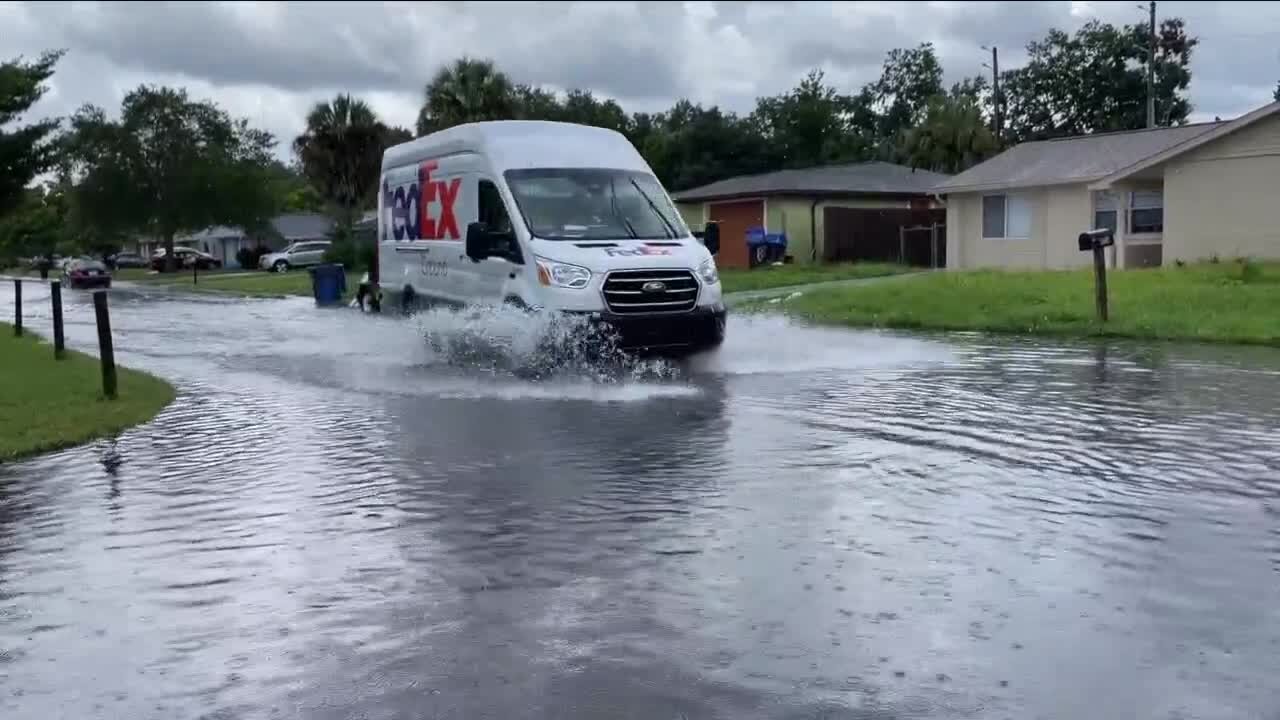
{"x": 1058, "y": 215}
{"x": 1220, "y": 198}
{"x": 693, "y": 213}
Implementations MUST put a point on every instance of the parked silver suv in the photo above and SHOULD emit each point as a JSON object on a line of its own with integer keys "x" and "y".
{"x": 297, "y": 255}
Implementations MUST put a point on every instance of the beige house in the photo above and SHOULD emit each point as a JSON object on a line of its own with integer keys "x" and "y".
{"x": 1179, "y": 193}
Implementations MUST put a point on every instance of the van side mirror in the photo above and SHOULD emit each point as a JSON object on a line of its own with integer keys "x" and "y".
{"x": 478, "y": 243}
{"x": 711, "y": 237}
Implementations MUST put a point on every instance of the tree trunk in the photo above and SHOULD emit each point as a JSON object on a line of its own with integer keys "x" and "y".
{"x": 170, "y": 262}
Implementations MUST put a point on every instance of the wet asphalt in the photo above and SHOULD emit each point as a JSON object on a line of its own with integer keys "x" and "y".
{"x": 335, "y": 520}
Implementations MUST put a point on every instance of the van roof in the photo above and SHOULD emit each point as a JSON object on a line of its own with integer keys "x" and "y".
{"x": 514, "y": 144}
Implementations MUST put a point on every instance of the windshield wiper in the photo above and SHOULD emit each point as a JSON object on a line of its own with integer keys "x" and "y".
{"x": 671, "y": 229}
{"x": 613, "y": 205}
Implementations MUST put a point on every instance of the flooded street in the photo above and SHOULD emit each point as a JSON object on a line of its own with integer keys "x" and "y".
{"x": 331, "y": 522}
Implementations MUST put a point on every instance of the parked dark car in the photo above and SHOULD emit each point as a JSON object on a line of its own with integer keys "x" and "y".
{"x": 127, "y": 260}
{"x": 86, "y": 274}
{"x": 186, "y": 258}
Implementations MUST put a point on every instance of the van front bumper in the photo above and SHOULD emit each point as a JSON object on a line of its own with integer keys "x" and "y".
{"x": 701, "y": 328}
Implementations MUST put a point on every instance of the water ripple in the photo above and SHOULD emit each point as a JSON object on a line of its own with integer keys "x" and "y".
{"x": 330, "y": 522}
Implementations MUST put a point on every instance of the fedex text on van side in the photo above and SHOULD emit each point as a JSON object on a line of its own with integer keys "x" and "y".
{"x": 421, "y": 196}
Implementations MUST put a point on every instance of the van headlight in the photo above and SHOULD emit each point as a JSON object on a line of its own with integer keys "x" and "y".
{"x": 707, "y": 271}
{"x": 558, "y": 274}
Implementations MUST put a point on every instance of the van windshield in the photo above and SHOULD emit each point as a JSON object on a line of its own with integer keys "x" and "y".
{"x": 594, "y": 204}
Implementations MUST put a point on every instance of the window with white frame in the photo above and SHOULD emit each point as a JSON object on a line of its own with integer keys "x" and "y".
{"x": 1006, "y": 217}
{"x": 1146, "y": 211}
{"x": 1105, "y": 213}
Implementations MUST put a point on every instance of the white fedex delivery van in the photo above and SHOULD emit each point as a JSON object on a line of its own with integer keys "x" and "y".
{"x": 545, "y": 215}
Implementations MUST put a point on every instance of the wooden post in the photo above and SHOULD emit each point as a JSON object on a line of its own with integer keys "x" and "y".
{"x": 55, "y": 296}
{"x": 105, "y": 351}
{"x": 1100, "y": 280}
{"x": 17, "y": 307}
{"x": 902, "y": 244}
{"x": 195, "y": 275}
{"x": 933, "y": 246}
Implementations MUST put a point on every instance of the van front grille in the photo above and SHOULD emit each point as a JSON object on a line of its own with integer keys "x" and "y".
{"x": 648, "y": 291}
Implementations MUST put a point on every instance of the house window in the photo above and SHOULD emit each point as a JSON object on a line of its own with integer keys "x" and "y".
{"x": 1006, "y": 217}
{"x": 1105, "y": 214}
{"x": 1146, "y": 211}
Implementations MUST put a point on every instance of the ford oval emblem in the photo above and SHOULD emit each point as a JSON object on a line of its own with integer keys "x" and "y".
{"x": 654, "y": 286}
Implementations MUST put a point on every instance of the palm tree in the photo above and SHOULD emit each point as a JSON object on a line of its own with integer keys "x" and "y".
{"x": 341, "y": 153}
{"x": 467, "y": 91}
{"x": 953, "y": 137}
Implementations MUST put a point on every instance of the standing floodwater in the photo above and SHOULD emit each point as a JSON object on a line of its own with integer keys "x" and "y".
{"x": 333, "y": 522}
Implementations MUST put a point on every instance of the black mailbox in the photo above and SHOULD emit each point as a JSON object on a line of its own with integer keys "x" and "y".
{"x": 1099, "y": 238}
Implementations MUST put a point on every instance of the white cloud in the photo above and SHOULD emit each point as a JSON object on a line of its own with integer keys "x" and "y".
{"x": 270, "y": 61}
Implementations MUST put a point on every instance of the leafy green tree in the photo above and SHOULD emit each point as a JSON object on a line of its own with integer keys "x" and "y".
{"x": 908, "y": 79}
{"x": 1095, "y": 81}
{"x": 469, "y": 90}
{"x": 33, "y": 227}
{"x": 534, "y": 103}
{"x": 25, "y": 151}
{"x": 340, "y": 154}
{"x": 170, "y": 164}
{"x": 810, "y": 125}
{"x": 690, "y": 145}
{"x": 953, "y": 136}
{"x": 582, "y": 107}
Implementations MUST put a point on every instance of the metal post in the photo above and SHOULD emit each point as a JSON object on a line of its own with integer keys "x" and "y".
{"x": 195, "y": 279}
{"x": 17, "y": 307}
{"x": 105, "y": 351}
{"x": 1100, "y": 280}
{"x": 1151, "y": 72}
{"x": 55, "y": 296}
{"x": 902, "y": 244}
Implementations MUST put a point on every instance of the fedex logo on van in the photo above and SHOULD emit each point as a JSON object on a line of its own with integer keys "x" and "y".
{"x": 643, "y": 250}
{"x": 411, "y": 206}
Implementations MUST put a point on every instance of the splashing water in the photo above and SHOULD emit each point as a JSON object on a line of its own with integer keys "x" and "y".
{"x": 534, "y": 345}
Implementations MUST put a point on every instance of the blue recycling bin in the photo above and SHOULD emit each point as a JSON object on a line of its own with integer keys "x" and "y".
{"x": 765, "y": 247}
{"x": 328, "y": 284}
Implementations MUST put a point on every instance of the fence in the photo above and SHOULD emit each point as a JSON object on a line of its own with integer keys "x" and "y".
{"x": 106, "y": 351}
{"x": 875, "y": 235}
{"x": 923, "y": 245}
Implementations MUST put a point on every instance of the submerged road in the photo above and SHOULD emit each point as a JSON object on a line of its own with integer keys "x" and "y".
{"x": 334, "y": 521}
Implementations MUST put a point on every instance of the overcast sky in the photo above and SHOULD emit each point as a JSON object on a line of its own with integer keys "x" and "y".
{"x": 270, "y": 62}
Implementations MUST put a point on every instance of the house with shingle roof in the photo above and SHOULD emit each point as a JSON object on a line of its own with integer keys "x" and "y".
{"x": 1185, "y": 193}
{"x": 820, "y": 209}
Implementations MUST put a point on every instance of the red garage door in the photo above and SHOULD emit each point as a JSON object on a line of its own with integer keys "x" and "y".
{"x": 734, "y": 218}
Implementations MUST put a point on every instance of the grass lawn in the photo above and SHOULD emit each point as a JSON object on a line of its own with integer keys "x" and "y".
{"x": 238, "y": 281}
{"x": 1227, "y": 302}
{"x": 47, "y": 404}
{"x": 773, "y": 276}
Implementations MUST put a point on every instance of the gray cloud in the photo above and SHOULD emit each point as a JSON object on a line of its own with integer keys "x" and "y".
{"x": 270, "y": 61}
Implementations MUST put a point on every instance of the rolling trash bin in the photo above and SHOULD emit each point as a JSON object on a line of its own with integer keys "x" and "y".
{"x": 328, "y": 283}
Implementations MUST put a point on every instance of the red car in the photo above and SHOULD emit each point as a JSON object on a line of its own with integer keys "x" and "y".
{"x": 86, "y": 274}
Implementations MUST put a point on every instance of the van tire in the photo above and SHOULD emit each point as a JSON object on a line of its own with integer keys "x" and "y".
{"x": 516, "y": 302}
{"x": 408, "y": 300}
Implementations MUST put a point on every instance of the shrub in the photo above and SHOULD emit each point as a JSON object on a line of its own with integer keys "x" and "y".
{"x": 249, "y": 257}
{"x": 1250, "y": 270}
{"x": 350, "y": 250}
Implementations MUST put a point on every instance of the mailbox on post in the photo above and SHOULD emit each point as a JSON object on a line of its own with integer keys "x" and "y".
{"x": 1099, "y": 238}
{"x": 1095, "y": 241}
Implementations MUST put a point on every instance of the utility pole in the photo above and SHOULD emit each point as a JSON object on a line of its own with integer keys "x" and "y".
{"x": 996, "y": 118}
{"x": 1151, "y": 71}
